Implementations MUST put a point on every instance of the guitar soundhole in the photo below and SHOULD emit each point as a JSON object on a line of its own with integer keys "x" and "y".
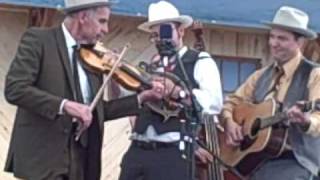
{"x": 248, "y": 140}
{"x": 246, "y": 143}
{"x": 255, "y": 127}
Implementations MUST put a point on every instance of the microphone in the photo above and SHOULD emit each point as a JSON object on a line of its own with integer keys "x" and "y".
{"x": 165, "y": 45}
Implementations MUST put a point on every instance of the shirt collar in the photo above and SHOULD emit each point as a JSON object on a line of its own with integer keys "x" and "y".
{"x": 70, "y": 41}
{"x": 182, "y": 51}
{"x": 290, "y": 67}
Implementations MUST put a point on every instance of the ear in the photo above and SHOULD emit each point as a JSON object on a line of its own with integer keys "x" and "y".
{"x": 181, "y": 31}
{"x": 82, "y": 16}
{"x": 301, "y": 41}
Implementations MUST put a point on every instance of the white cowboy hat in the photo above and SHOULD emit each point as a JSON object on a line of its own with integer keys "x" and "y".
{"x": 293, "y": 20}
{"x": 162, "y": 12}
{"x": 76, "y": 5}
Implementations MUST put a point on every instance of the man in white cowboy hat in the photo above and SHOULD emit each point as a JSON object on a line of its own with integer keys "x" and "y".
{"x": 154, "y": 153}
{"x": 51, "y": 89}
{"x": 289, "y": 79}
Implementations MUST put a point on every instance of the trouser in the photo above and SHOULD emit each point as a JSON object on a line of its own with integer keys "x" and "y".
{"x": 77, "y": 164}
{"x": 153, "y": 163}
{"x": 283, "y": 169}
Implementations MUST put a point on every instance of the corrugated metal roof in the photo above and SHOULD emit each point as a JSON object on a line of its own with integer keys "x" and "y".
{"x": 229, "y": 12}
{"x": 36, "y": 3}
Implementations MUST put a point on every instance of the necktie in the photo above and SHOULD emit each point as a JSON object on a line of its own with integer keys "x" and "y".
{"x": 274, "y": 88}
{"x": 78, "y": 93}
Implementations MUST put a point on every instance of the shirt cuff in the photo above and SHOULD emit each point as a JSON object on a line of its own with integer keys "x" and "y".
{"x": 61, "y": 112}
{"x": 139, "y": 101}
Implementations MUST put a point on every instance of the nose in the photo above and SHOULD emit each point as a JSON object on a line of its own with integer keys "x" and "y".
{"x": 105, "y": 29}
{"x": 273, "y": 42}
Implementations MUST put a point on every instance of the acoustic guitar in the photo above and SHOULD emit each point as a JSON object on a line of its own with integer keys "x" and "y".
{"x": 265, "y": 135}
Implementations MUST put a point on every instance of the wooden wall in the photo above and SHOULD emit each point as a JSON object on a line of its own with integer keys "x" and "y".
{"x": 220, "y": 41}
{"x": 13, "y": 23}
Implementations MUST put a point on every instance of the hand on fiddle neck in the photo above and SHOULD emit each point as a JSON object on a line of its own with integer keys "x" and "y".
{"x": 171, "y": 90}
{"x": 161, "y": 88}
{"x": 157, "y": 92}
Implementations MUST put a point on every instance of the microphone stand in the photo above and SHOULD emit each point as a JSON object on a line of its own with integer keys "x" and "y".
{"x": 193, "y": 114}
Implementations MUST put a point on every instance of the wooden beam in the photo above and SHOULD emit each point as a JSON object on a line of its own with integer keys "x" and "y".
{"x": 42, "y": 17}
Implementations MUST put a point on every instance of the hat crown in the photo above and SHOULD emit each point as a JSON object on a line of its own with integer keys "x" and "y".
{"x": 69, "y": 4}
{"x": 162, "y": 10}
{"x": 291, "y": 17}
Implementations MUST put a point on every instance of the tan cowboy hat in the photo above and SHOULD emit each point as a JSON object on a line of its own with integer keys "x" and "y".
{"x": 293, "y": 20}
{"x": 76, "y": 5}
{"x": 162, "y": 12}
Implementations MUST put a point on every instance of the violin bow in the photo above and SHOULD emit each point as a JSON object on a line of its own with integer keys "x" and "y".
{"x": 99, "y": 94}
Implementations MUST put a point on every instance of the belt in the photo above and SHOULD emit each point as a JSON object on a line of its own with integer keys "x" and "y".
{"x": 153, "y": 145}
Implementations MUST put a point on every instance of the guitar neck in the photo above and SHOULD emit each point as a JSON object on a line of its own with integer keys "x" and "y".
{"x": 311, "y": 106}
{"x": 306, "y": 106}
{"x": 263, "y": 123}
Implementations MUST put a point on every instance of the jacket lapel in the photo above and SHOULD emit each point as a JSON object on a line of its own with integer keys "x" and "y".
{"x": 64, "y": 57}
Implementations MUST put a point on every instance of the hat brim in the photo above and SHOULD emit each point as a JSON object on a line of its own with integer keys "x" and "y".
{"x": 185, "y": 21}
{"x": 309, "y": 34}
{"x": 87, "y": 6}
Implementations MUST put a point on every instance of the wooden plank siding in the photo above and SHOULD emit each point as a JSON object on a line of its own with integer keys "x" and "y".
{"x": 219, "y": 41}
{"x": 13, "y": 24}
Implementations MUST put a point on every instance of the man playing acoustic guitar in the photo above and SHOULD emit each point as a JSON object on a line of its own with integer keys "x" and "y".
{"x": 291, "y": 78}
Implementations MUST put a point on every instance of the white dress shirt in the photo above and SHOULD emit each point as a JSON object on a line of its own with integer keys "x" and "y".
{"x": 83, "y": 78}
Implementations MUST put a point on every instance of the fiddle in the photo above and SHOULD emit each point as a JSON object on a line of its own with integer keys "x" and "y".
{"x": 81, "y": 128}
{"x": 98, "y": 59}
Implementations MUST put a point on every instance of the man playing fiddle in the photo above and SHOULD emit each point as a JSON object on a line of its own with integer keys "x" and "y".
{"x": 52, "y": 91}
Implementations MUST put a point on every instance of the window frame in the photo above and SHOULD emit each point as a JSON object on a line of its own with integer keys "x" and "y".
{"x": 239, "y": 61}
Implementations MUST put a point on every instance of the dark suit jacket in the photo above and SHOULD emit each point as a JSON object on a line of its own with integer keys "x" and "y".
{"x": 38, "y": 80}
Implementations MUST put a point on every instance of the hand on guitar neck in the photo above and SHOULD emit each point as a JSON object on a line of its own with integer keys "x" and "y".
{"x": 258, "y": 132}
{"x": 295, "y": 114}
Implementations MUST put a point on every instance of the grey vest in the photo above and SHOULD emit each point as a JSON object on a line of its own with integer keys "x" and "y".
{"x": 305, "y": 147}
